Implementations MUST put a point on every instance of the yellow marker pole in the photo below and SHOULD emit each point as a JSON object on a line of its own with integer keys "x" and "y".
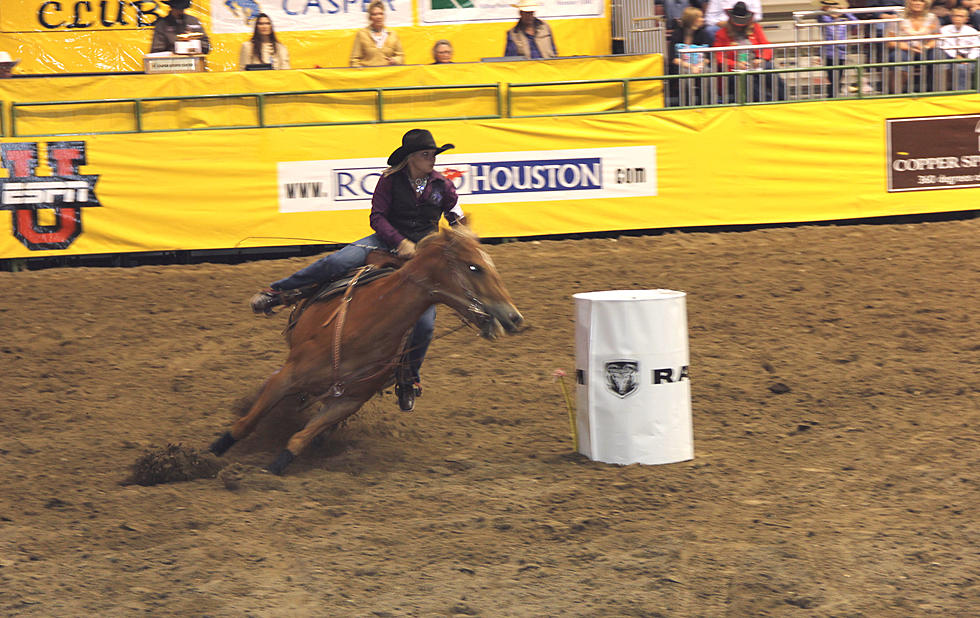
{"x": 559, "y": 376}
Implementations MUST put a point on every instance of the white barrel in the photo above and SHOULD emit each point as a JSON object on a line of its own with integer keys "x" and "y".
{"x": 633, "y": 387}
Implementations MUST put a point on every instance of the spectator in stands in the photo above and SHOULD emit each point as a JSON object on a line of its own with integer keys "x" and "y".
{"x": 742, "y": 29}
{"x": 941, "y": 10}
{"x": 531, "y": 37}
{"x": 717, "y": 12}
{"x": 973, "y": 16}
{"x": 919, "y": 21}
{"x": 263, "y": 47}
{"x": 409, "y": 200}
{"x": 177, "y": 22}
{"x": 962, "y": 42}
{"x": 442, "y": 52}
{"x": 376, "y": 46}
{"x": 834, "y": 55}
{"x": 7, "y": 64}
{"x": 673, "y": 10}
{"x": 683, "y": 59}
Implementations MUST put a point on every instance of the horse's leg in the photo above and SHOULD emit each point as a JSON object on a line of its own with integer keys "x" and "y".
{"x": 331, "y": 413}
{"x": 273, "y": 391}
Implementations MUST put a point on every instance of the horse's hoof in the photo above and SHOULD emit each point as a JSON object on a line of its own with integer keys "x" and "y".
{"x": 279, "y": 465}
{"x": 222, "y": 444}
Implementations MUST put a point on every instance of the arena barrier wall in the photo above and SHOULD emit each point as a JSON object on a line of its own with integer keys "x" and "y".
{"x": 99, "y": 115}
{"x": 79, "y": 36}
{"x": 517, "y": 177}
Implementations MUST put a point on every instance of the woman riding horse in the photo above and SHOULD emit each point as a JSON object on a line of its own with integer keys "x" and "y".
{"x": 406, "y": 206}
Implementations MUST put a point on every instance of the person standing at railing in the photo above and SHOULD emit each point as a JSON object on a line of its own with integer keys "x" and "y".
{"x": 742, "y": 29}
{"x": 531, "y": 37}
{"x": 376, "y": 46}
{"x": 834, "y": 55}
{"x": 683, "y": 57}
{"x": 263, "y": 47}
{"x": 973, "y": 15}
{"x": 177, "y": 22}
{"x": 919, "y": 21}
{"x": 962, "y": 42}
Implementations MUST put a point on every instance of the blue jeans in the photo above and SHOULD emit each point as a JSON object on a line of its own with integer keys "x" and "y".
{"x": 333, "y": 266}
{"x": 339, "y": 263}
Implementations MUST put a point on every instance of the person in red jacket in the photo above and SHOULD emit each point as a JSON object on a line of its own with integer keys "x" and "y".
{"x": 741, "y": 29}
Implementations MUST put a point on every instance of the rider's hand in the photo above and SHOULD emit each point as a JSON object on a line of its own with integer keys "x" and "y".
{"x": 406, "y": 248}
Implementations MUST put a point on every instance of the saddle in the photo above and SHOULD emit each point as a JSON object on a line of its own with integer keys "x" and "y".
{"x": 378, "y": 264}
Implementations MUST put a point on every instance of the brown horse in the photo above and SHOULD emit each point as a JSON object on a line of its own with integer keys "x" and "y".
{"x": 345, "y": 350}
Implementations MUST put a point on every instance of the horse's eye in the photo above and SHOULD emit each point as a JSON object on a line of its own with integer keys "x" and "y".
{"x": 475, "y": 269}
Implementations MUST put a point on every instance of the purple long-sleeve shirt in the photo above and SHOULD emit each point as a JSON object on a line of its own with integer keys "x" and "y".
{"x": 382, "y": 204}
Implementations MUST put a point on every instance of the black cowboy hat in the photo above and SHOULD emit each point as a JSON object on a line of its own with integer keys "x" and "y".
{"x": 414, "y": 141}
{"x": 739, "y": 15}
{"x": 178, "y": 4}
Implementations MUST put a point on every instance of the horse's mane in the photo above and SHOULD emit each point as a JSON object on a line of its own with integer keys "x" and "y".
{"x": 448, "y": 233}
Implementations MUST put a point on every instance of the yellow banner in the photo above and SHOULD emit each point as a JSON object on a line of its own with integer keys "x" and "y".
{"x": 269, "y": 187}
{"x": 78, "y": 36}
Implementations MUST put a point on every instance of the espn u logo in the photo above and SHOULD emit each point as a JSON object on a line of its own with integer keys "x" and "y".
{"x": 65, "y": 192}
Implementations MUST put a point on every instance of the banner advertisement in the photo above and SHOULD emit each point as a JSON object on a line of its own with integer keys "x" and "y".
{"x": 471, "y": 11}
{"x": 480, "y": 178}
{"x": 246, "y": 188}
{"x": 298, "y": 15}
{"x": 79, "y": 15}
{"x": 941, "y": 152}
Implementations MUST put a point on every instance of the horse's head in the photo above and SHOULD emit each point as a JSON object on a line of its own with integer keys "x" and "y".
{"x": 462, "y": 275}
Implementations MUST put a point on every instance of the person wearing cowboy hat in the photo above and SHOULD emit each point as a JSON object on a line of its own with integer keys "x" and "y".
{"x": 531, "y": 37}
{"x": 408, "y": 202}
{"x": 741, "y": 29}
{"x": 7, "y": 64}
{"x": 834, "y": 13}
{"x": 717, "y": 12}
{"x": 166, "y": 29}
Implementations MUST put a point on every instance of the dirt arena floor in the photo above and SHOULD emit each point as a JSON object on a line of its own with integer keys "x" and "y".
{"x": 852, "y": 492}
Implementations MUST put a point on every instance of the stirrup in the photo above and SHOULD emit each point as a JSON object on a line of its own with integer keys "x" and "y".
{"x": 406, "y": 394}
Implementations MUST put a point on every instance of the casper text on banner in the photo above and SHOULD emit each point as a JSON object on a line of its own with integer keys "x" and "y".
{"x": 480, "y": 178}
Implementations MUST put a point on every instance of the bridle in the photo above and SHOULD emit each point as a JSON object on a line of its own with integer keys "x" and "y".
{"x": 475, "y": 310}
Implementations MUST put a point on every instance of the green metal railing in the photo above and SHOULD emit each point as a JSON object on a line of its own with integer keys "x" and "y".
{"x": 259, "y": 103}
{"x": 509, "y": 98}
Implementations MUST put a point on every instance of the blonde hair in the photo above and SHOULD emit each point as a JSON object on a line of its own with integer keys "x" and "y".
{"x": 397, "y": 167}
{"x": 925, "y": 9}
{"x": 690, "y": 17}
{"x": 376, "y": 4}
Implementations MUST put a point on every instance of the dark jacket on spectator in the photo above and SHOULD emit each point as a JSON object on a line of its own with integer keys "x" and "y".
{"x": 165, "y": 32}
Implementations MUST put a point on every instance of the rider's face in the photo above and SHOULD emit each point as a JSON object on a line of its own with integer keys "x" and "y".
{"x": 421, "y": 163}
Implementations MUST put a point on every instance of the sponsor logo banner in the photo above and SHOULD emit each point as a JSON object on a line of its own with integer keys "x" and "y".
{"x": 939, "y": 152}
{"x": 470, "y": 11}
{"x": 290, "y": 15}
{"x": 63, "y": 193}
{"x": 480, "y": 178}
